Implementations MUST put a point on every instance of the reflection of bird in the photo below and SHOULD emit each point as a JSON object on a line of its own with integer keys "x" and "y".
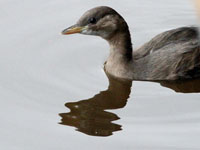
{"x": 188, "y": 86}
{"x": 171, "y": 55}
{"x": 90, "y": 116}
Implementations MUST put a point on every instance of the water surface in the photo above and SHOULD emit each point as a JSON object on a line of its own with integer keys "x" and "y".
{"x": 52, "y": 85}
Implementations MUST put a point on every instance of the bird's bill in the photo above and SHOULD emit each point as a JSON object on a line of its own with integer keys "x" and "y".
{"x": 73, "y": 29}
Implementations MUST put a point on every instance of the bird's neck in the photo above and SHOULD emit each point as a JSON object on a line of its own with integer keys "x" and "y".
{"x": 120, "y": 57}
{"x": 121, "y": 46}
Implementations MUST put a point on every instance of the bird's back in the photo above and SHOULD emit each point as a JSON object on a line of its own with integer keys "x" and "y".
{"x": 171, "y": 55}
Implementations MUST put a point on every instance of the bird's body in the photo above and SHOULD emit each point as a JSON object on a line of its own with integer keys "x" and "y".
{"x": 172, "y": 55}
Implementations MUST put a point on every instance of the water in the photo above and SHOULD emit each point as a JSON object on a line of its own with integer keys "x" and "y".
{"x": 43, "y": 71}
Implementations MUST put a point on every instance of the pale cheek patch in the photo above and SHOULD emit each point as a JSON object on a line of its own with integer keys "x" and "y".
{"x": 88, "y": 32}
{"x": 97, "y": 33}
{"x": 104, "y": 34}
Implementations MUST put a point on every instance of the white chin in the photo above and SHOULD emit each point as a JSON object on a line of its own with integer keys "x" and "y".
{"x": 89, "y": 32}
{"x": 97, "y": 33}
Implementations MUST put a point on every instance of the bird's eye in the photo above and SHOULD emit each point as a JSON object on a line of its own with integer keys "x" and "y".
{"x": 92, "y": 20}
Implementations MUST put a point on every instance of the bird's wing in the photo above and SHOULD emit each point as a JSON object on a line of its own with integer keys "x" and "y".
{"x": 179, "y": 35}
{"x": 171, "y": 55}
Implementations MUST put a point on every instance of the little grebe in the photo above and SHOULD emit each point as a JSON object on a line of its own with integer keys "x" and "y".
{"x": 172, "y": 55}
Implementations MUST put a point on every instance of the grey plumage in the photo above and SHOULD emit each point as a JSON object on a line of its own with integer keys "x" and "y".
{"x": 172, "y": 55}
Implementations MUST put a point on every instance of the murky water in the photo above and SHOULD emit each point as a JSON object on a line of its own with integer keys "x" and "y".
{"x": 52, "y": 86}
